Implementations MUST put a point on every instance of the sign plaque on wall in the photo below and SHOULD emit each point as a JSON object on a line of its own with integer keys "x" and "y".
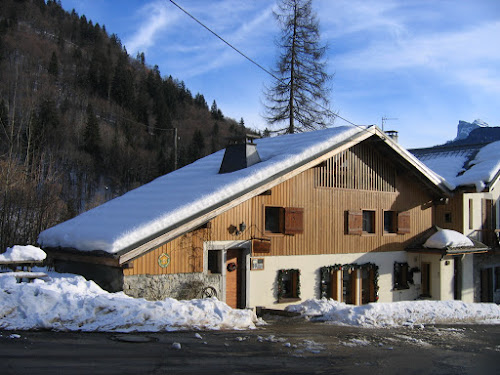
{"x": 257, "y": 264}
{"x": 164, "y": 260}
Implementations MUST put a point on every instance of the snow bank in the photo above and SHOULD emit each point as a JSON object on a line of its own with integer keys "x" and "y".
{"x": 399, "y": 313}
{"x": 71, "y": 303}
{"x": 444, "y": 238}
{"x": 19, "y": 253}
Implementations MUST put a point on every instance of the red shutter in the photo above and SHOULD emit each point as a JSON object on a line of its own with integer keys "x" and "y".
{"x": 355, "y": 222}
{"x": 294, "y": 220}
{"x": 403, "y": 222}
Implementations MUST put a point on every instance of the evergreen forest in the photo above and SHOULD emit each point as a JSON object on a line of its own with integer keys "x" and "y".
{"x": 82, "y": 121}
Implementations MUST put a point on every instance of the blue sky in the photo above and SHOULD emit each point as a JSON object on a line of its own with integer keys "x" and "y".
{"x": 425, "y": 63}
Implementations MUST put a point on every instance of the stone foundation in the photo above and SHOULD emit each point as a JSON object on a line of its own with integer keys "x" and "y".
{"x": 180, "y": 286}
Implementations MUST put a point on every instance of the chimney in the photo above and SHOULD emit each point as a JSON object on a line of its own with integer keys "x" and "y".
{"x": 393, "y": 134}
{"x": 240, "y": 155}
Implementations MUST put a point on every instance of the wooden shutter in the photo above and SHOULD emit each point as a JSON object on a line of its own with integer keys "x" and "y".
{"x": 403, "y": 222}
{"x": 355, "y": 222}
{"x": 334, "y": 288}
{"x": 371, "y": 283}
{"x": 294, "y": 220}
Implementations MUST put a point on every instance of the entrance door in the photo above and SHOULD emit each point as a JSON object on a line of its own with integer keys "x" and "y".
{"x": 426, "y": 280}
{"x": 487, "y": 285}
{"x": 233, "y": 278}
{"x": 457, "y": 278}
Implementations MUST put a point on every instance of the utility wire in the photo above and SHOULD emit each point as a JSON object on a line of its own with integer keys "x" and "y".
{"x": 254, "y": 62}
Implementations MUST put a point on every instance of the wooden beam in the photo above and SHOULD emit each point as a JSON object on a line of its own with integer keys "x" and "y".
{"x": 69, "y": 256}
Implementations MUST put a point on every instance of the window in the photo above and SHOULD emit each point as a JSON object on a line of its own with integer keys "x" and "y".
{"x": 471, "y": 214}
{"x": 288, "y": 220}
{"x": 288, "y": 285}
{"x": 214, "y": 261}
{"x": 368, "y": 285}
{"x": 426, "y": 280}
{"x": 389, "y": 222}
{"x": 497, "y": 278}
{"x": 368, "y": 221}
{"x": 401, "y": 276}
{"x": 447, "y": 217}
{"x": 274, "y": 219}
{"x": 350, "y": 283}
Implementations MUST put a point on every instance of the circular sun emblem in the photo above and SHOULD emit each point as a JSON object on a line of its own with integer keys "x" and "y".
{"x": 164, "y": 260}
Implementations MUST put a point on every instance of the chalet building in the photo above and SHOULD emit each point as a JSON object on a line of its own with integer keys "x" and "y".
{"x": 474, "y": 210}
{"x": 328, "y": 213}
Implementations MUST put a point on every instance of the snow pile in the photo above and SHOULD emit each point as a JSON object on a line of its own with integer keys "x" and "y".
{"x": 399, "y": 313}
{"x": 23, "y": 253}
{"x": 71, "y": 303}
{"x": 447, "y": 238}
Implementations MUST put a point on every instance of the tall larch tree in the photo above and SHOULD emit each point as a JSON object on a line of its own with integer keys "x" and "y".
{"x": 300, "y": 97}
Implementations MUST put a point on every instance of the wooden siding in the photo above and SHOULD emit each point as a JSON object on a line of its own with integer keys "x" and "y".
{"x": 360, "y": 167}
{"x": 324, "y": 222}
{"x": 455, "y": 208}
{"x": 185, "y": 252}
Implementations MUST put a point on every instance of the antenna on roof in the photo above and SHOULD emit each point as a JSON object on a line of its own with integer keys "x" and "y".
{"x": 384, "y": 119}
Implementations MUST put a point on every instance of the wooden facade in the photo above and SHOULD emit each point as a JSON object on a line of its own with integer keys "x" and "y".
{"x": 323, "y": 195}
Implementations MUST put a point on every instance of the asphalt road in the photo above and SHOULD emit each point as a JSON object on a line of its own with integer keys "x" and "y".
{"x": 285, "y": 346}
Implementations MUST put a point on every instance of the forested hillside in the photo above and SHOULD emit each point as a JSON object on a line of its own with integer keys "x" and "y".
{"x": 82, "y": 122}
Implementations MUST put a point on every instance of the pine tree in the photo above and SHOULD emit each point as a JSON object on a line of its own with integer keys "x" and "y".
{"x": 53, "y": 68}
{"x": 91, "y": 135}
{"x": 300, "y": 96}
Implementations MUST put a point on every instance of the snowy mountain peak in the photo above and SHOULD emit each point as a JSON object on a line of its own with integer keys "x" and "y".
{"x": 464, "y": 128}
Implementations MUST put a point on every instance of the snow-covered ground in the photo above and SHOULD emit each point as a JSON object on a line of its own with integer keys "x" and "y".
{"x": 65, "y": 302}
{"x": 409, "y": 313}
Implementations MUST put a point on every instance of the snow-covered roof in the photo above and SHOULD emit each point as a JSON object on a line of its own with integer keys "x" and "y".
{"x": 465, "y": 165}
{"x": 198, "y": 188}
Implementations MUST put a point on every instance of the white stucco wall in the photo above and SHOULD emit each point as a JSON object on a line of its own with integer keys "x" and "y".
{"x": 263, "y": 283}
{"x": 468, "y": 278}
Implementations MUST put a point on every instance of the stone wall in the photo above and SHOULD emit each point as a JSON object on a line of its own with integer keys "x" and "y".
{"x": 179, "y": 286}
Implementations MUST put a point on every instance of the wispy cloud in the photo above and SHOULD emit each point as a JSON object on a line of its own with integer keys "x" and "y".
{"x": 242, "y": 25}
{"x": 155, "y": 18}
{"x": 450, "y": 54}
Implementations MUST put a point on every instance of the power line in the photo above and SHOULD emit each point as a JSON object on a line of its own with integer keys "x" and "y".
{"x": 225, "y": 41}
{"x": 254, "y": 62}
